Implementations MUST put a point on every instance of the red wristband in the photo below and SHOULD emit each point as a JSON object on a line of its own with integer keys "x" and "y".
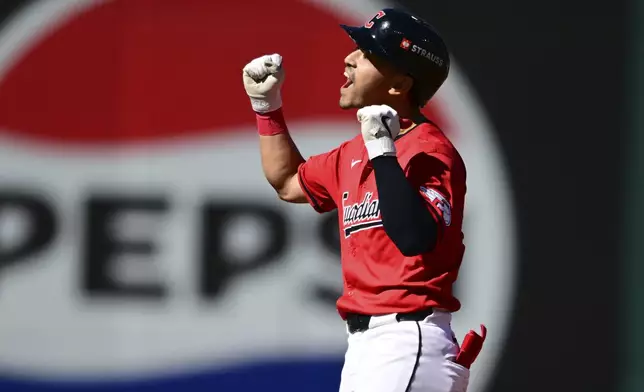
{"x": 271, "y": 123}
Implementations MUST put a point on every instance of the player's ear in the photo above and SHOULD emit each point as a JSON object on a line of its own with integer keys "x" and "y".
{"x": 401, "y": 84}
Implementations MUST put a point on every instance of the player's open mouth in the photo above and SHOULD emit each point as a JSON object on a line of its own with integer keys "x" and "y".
{"x": 349, "y": 82}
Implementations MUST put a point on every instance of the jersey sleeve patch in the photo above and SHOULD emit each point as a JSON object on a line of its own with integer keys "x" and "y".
{"x": 439, "y": 202}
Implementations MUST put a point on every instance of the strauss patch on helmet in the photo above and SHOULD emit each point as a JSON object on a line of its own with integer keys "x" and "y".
{"x": 428, "y": 55}
{"x": 440, "y": 202}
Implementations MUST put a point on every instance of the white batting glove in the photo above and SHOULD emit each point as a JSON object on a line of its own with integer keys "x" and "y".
{"x": 380, "y": 126}
{"x": 263, "y": 78}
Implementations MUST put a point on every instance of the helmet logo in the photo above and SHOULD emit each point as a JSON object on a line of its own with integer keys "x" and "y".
{"x": 405, "y": 44}
{"x": 379, "y": 15}
{"x": 428, "y": 55}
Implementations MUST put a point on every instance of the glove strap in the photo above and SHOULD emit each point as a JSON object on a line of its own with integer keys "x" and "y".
{"x": 265, "y": 105}
{"x": 379, "y": 147}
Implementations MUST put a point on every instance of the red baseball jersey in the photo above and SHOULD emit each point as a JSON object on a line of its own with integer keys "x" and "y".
{"x": 378, "y": 278}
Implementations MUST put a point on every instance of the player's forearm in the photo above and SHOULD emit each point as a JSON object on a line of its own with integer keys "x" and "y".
{"x": 280, "y": 156}
{"x": 405, "y": 218}
{"x": 280, "y": 161}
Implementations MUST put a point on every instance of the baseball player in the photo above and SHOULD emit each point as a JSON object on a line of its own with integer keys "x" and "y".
{"x": 399, "y": 188}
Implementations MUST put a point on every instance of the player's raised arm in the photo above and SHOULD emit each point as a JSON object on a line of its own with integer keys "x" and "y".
{"x": 406, "y": 220}
{"x": 263, "y": 78}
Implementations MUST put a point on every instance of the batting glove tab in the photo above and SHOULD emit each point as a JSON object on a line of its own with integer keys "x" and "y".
{"x": 263, "y": 79}
{"x": 380, "y": 126}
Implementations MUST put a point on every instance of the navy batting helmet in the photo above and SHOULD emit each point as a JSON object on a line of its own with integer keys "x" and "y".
{"x": 408, "y": 43}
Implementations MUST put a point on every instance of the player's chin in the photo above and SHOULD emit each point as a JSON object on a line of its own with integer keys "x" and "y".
{"x": 347, "y": 103}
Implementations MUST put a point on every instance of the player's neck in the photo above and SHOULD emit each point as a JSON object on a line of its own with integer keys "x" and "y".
{"x": 409, "y": 112}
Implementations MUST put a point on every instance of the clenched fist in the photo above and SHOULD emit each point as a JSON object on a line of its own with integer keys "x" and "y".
{"x": 263, "y": 78}
{"x": 379, "y": 125}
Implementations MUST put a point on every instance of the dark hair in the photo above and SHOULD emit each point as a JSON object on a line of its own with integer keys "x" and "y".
{"x": 422, "y": 92}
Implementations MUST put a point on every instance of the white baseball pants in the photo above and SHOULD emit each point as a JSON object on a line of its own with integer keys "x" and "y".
{"x": 406, "y": 356}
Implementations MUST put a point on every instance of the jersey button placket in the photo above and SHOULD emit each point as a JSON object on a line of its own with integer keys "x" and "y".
{"x": 354, "y": 253}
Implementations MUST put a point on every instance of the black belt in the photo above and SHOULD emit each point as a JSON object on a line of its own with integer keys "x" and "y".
{"x": 360, "y": 322}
